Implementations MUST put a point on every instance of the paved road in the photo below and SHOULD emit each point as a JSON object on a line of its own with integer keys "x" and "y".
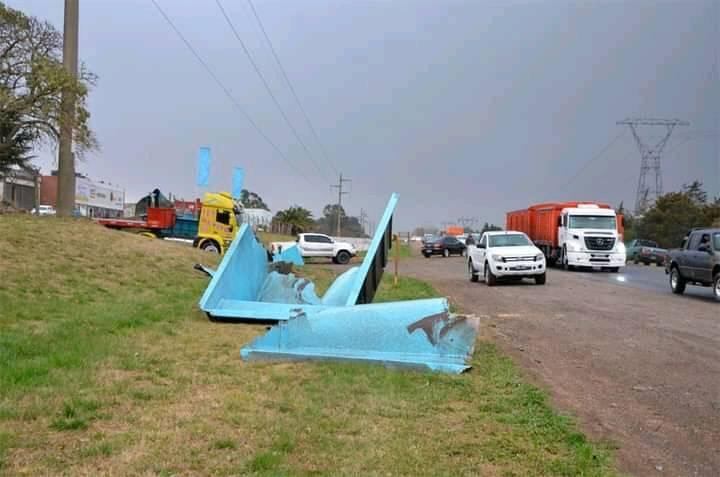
{"x": 650, "y": 278}
{"x": 635, "y": 363}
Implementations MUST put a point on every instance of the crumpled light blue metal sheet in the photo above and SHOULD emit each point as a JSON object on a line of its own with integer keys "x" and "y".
{"x": 290, "y": 254}
{"x": 279, "y": 288}
{"x": 418, "y": 334}
{"x": 239, "y": 289}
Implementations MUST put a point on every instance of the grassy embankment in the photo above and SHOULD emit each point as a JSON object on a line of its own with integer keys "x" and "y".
{"x": 107, "y": 366}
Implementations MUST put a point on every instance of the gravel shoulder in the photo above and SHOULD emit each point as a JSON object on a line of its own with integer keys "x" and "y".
{"x": 638, "y": 367}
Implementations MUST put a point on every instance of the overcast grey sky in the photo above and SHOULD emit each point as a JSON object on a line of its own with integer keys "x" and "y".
{"x": 466, "y": 108}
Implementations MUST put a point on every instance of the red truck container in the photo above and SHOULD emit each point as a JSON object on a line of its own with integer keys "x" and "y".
{"x": 541, "y": 223}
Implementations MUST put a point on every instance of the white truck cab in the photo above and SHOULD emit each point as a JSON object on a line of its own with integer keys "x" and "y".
{"x": 501, "y": 254}
{"x": 320, "y": 245}
{"x": 588, "y": 237}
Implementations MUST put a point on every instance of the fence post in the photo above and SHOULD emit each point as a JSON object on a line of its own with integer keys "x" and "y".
{"x": 396, "y": 238}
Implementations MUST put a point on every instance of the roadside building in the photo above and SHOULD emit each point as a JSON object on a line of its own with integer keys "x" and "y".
{"x": 92, "y": 198}
{"x": 19, "y": 188}
{"x": 257, "y": 218}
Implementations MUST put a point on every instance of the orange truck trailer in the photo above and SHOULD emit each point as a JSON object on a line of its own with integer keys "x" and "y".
{"x": 574, "y": 234}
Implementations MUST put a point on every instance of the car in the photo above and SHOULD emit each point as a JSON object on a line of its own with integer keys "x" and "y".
{"x": 44, "y": 210}
{"x": 505, "y": 254}
{"x": 444, "y": 246}
{"x": 645, "y": 251}
{"x": 697, "y": 262}
{"x": 321, "y": 245}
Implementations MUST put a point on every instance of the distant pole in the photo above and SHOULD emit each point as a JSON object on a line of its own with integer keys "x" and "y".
{"x": 396, "y": 238}
{"x": 339, "y": 187}
{"x": 66, "y": 158}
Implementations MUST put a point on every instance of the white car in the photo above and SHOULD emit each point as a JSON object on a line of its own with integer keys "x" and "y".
{"x": 44, "y": 210}
{"x": 505, "y": 254}
{"x": 320, "y": 245}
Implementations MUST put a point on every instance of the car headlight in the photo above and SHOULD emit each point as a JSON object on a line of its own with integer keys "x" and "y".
{"x": 539, "y": 257}
{"x": 572, "y": 247}
{"x": 621, "y": 247}
{"x": 497, "y": 258}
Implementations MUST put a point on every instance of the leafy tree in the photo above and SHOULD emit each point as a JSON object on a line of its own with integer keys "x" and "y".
{"x": 251, "y": 200}
{"x": 15, "y": 147}
{"x": 327, "y": 224}
{"x": 299, "y": 218}
{"x": 673, "y": 215}
{"x": 32, "y": 80}
{"x": 490, "y": 227}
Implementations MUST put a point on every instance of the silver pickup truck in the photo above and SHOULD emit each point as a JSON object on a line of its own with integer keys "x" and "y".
{"x": 697, "y": 262}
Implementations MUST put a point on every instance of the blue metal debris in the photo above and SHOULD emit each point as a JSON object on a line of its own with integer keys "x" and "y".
{"x": 234, "y": 293}
{"x": 290, "y": 254}
{"x": 343, "y": 324}
{"x": 418, "y": 334}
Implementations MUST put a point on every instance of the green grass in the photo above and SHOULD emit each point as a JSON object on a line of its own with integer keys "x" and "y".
{"x": 108, "y": 367}
{"x": 404, "y": 251}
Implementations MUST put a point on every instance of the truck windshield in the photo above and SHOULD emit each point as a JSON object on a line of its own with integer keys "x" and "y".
{"x": 508, "y": 240}
{"x": 592, "y": 222}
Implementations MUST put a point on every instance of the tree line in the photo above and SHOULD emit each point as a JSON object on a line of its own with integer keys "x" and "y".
{"x": 298, "y": 219}
{"x": 672, "y": 215}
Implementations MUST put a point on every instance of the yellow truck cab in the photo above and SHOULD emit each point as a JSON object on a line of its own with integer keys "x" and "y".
{"x": 219, "y": 222}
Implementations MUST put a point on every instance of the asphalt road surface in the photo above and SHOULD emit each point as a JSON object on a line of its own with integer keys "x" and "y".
{"x": 631, "y": 361}
{"x": 651, "y": 278}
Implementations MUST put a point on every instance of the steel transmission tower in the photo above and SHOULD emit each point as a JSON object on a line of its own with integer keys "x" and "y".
{"x": 650, "y": 158}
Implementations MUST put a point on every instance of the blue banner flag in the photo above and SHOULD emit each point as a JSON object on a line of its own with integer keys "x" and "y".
{"x": 203, "y": 168}
{"x": 237, "y": 182}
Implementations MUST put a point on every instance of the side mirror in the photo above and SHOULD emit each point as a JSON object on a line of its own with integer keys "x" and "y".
{"x": 481, "y": 245}
{"x": 559, "y": 222}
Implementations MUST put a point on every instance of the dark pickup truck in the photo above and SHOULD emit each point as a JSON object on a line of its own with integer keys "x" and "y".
{"x": 697, "y": 262}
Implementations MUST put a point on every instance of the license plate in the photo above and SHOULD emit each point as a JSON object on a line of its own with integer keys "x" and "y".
{"x": 521, "y": 268}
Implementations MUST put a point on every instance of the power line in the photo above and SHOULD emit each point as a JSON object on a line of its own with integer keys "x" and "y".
{"x": 227, "y": 91}
{"x": 267, "y": 87}
{"x": 595, "y": 157}
{"x": 291, "y": 88}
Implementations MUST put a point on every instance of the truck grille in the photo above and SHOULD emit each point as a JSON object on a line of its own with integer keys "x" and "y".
{"x": 599, "y": 243}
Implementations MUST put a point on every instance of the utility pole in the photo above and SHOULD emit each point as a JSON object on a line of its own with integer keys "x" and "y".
{"x": 363, "y": 219}
{"x": 339, "y": 187}
{"x": 650, "y": 158}
{"x": 66, "y": 158}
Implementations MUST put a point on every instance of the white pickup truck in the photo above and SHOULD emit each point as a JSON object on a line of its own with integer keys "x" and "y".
{"x": 505, "y": 254}
{"x": 319, "y": 245}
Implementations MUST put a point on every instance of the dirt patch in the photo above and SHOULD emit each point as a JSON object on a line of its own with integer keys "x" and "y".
{"x": 637, "y": 367}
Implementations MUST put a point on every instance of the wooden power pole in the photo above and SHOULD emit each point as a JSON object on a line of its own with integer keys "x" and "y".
{"x": 339, "y": 187}
{"x": 66, "y": 158}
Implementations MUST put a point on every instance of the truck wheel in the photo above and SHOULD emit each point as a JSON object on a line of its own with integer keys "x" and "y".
{"x": 677, "y": 282}
{"x": 446, "y": 252}
{"x": 427, "y": 255}
{"x": 716, "y": 286}
{"x": 473, "y": 274}
{"x": 540, "y": 279}
{"x": 490, "y": 278}
{"x": 342, "y": 257}
{"x": 210, "y": 246}
{"x": 565, "y": 264}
